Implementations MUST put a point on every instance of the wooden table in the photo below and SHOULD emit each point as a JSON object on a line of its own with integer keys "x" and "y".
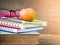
{"x": 20, "y": 39}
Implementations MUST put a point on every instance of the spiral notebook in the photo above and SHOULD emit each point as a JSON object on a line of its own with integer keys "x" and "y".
{"x": 32, "y": 32}
{"x": 30, "y": 24}
{"x": 11, "y": 24}
{"x": 13, "y": 30}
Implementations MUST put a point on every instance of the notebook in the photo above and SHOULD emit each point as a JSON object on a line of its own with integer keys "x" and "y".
{"x": 32, "y": 32}
{"x": 13, "y": 30}
{"x": 12, "y": 24}
{"x": 27, "y": 24}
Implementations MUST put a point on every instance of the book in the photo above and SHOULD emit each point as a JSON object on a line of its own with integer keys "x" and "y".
{"x": 31, "y": 29}
{"x": 32, "y": 32}
{"x": 12, "y": 24}
{"x": 33, "y": 23}
{"x": 17, "y": 31}
{"x": 22, "y": 38}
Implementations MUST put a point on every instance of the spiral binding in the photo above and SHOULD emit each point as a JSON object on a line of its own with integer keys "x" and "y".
{"x": 11, "y": 23}
{"x": 6, "y": 29}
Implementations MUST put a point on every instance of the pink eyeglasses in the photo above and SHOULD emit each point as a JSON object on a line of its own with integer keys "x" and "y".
{"x": 9, "y": 13}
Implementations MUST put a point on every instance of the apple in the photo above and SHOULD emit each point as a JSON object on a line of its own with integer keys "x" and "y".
{"x": 27, "y": 14}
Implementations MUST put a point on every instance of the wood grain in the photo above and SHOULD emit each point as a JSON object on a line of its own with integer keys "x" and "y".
{"x": 49, "y": 39}
{"x": 19, "y": 39}
{"x": 50, "y": 11}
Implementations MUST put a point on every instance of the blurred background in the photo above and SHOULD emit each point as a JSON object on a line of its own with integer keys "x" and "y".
{"x": 48, "y": 10}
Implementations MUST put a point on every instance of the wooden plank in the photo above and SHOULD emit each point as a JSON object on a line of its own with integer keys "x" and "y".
{"x": 49, "y": 39}
{"x": 19, "y": 38}
{"x": 17, "y": 44}
{"x": 49, "y": 10}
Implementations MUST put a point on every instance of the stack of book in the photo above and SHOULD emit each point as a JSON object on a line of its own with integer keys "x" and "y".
{"x": 16, "y": 26}
{"x": 23, "y": 32}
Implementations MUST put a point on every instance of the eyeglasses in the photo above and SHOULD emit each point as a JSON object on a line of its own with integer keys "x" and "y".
{"x": 9, "y": 13}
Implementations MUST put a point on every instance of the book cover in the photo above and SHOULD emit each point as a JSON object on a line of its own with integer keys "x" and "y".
{"x": 13, "y": 30}
{"x": 12, "y": 24}
{"x": 33, "y": 23}
{"x": 32, "y": 32}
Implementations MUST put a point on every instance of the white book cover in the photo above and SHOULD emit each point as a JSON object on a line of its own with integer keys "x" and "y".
{"x": 32, "y": 32}
{"x": 13, "y": 30}
{"x": 27, "y": 24}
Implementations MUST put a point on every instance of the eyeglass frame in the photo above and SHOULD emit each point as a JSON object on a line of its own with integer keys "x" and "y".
{"x": 14, "y": 11}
